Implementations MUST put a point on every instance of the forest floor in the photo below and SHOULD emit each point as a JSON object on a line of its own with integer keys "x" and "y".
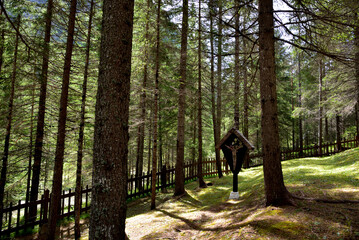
{"x": 208, "y": 214}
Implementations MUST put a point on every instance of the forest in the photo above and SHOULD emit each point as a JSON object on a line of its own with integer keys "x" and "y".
{"x": 107, "y": 102}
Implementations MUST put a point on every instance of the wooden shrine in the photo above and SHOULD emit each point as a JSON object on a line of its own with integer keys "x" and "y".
{"x": 235, "y": 148}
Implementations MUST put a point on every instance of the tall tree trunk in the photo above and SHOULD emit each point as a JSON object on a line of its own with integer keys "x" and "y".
{"x": 293, "y": 119}
{"x": 327, "y": 138}
{"x": 141, "y": 127}
{"x": 300, "y": 105}
{"x": 78, "y": 194}
{"x": 275, "y": 191}
{"x": 149, "y": 139}
{"x": 35, "y": 181}
{"x": 339, "y": 146}
{"x": 28, "y": 182}
{"x": 320, "y": 135}
{"x": 201, "y": 182}
{"x": 155, "y": 114}
{"x": 160, "y": 145}
{"x": 245, "y": 102}
{"x": 9, "y": 125}
{"x": 194, "y": 116}
{"x": 2, "y": 44}
{"x": 61, "y": 129}
{"x": 236, "y": 67}
{"x": 108, "y": 206}
{"x": 179, "y": 171}
{"x": 219, "y": 86}
{"x": 356, "y": 43}
{"x": 213, "y": 101}
{"x": 326, "y": 124}
{"x": 2, "y": 40}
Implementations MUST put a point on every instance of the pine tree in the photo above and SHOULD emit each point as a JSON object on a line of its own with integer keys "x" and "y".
{"x": 179, "y": 171}
{"x": 41, "y": 111}
{"x": 109, "y": 192}
{"x": 61, "y": 130}
{"x": 78, "y": 194}
{"x": 9, "y": 117}
{"x": 275, "y": 191}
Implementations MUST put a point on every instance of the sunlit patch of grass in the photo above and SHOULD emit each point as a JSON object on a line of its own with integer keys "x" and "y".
{"x": 208, "y": 214}
{"x": 330, "y": 174}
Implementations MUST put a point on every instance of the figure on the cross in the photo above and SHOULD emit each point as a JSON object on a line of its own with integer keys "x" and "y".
{"x": 236, "y": 145}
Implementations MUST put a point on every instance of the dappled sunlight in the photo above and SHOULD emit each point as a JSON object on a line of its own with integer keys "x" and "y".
{"x": 208, "y": 213}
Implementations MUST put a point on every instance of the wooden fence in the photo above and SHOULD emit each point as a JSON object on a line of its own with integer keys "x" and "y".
{"x": 141, "y": 185}
{"x": 326, "y": 149}
{"x": 14, "y": 216}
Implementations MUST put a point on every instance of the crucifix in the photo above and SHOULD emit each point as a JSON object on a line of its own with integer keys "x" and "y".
{"x": 234, "y": 148}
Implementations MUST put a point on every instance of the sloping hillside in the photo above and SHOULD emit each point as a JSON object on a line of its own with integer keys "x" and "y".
{"x": 207, "y": 214}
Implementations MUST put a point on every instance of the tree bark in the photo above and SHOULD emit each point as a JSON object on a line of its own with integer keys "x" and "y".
{"x": 2, "y": 44}
{"x": 245, "y": 103}
{"x": 213, "y": 101}
{"x": 275, "y": 191}
{"x": 201, "y": 182}
{"x": 28, "y": 182}
{"x": 9, "y": 125}
{"x": 293, "y": 120}
{"x": 300, "y": 105}
{"x": 339, "y": 145}
{"x": 356, "y": 43}
{"x": 194, "y": 117}
{"x": 35, "y": 181}
{"x": 150, "y": 128}
{"x": 327, "y": 138}
{"x": 160, "y": 134}
{"x": 320, "y": 135}
{"x": 109, "y": 191}
{"x": 219, "y": 87}
{"x": 179, "y": 170}
{"x": 155, "y": 114}
{"x": 78, "y": 194}
{"x": 236, "y": 67}
{"x": 61, "y": 129}
{"x": 141, "y": 127}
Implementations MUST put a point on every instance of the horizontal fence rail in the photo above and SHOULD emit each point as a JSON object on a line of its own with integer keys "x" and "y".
{"x": 326, "y": 149}
{"x": 16, "y": 216}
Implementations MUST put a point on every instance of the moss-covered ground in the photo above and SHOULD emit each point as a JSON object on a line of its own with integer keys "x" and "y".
{"x": 208, "y": 214}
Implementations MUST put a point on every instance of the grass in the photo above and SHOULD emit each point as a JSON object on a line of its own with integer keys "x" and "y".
{"x": 208, "y": 214}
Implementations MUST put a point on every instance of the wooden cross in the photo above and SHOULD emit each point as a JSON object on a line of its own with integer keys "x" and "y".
{"x": 234, "y": 149}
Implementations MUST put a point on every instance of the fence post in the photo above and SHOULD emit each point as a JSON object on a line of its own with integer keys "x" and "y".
{"x": 339, "y": 147}
{"x": 18, "y": 216}
{"x": 10, "y": 217}
{"x": 87, "y": 196}
{"x": 69, "y": 204}
{"x": 163, "y": 177}
{"x": 45, "y": 206}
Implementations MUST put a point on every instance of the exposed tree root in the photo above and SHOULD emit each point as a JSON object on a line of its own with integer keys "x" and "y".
{"x": 176, "y": 197}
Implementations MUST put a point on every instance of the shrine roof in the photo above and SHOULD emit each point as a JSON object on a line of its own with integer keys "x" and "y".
{"x": 239, "y": 135}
